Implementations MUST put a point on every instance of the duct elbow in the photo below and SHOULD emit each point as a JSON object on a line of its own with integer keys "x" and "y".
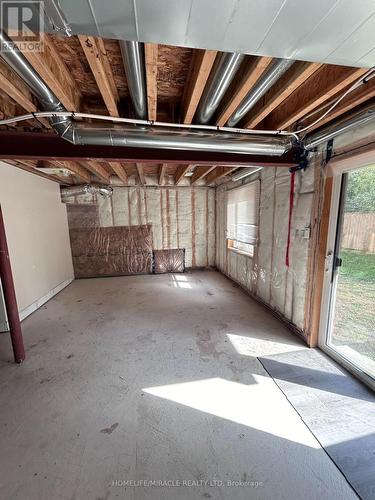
{"x": 103, "y": 190}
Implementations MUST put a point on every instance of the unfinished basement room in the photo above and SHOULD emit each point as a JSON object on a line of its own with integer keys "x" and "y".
{"x": 187, "y": 250}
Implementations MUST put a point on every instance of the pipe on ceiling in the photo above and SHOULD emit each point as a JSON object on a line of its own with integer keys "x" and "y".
{"x": 105, "y": 191}
{"x": 274, "y": 72}
{"x": 134, "y": 65}
{"x": 164, "y": 138}
{"x": 138, "y": 136}
{"x": 224, "y": 69}
{"x": 331, "y": 131}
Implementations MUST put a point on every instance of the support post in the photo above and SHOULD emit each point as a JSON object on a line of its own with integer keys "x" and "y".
{"x": 10, "y": 296}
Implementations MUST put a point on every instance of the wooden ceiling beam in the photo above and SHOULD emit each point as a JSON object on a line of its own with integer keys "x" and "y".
{"x": 283, "y": 88}
{"x": 30, "y": 166}
{"x": 161, "y": 175}
{"x": 8, "y": 107}
{"x": 201, "y": 65}
{"x": 200, "y": 172}
{"x": 141, "y": 174}
{"x": 54, "y": 72}
{"x": 324, "y": 84}
{"x": 77, "y": 169}
{"x": 256, "y": 69}
{"x": 219, "y": 173}
{"x": 151, "y": 62}
{"x": 12, "y": 85}
{"x": 96, "y": 56}
{"x": 364, "y": 93}
{"x": 120, "y": 171}
{"x": 180, "y": 173}
{"x": 97, "y": 169}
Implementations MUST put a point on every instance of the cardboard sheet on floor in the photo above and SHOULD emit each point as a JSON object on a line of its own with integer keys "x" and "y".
{"x": 337, "y": 409}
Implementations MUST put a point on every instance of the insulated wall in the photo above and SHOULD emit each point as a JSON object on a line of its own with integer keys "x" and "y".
{"x": 180, "y": 217}
{"x": 267, "y": 275}
{"x": 38, "y": 239}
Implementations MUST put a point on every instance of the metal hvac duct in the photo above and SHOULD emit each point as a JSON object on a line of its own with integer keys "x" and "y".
{"x": 134, "y": 64}
{"x": 170, "y": 138}
{"x": 331, "y": 131}
{"x": 274, "y": 72}
{"x": 224, "y": 69}
{"x": 245, "y": 172}
{"x": 105, "y": 191}
{"x": 138, "y": 136}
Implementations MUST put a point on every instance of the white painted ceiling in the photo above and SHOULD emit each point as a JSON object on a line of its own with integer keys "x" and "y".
{"x": 330, "y": 31}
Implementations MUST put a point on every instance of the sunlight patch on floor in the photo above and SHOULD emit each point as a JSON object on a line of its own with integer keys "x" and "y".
{"x": 251, "y": 405}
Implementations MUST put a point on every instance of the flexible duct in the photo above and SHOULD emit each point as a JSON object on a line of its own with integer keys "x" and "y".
{"x": 274, "y": 72}
{"x": 224, "y": 69}
{"x": 331, "y": 131}
{"x": 134, "y": 64}
{"x": 105, "y": 191}
{"x": 139, "y": 136}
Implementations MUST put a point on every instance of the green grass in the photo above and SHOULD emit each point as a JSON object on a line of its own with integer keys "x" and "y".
{"x": 358, "y": 266}
{"x": 354, "y": 322}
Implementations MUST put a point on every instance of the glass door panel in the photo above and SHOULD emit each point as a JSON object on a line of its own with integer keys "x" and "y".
{"x": 351, "y": 330}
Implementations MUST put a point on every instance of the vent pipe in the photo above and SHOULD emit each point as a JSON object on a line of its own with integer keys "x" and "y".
{"x": 224, "y": 69}
{"x": 274, "y": 72}
{"x": 134, "y": 64}
{"x": 331, "y": 131}
{"x": 105, "y": 191}
{"x": 245, "y": 172}
{"x": 138, "y": 136}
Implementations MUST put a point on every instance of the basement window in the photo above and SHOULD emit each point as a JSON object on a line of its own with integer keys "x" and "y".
{"x": 243, "y": 218}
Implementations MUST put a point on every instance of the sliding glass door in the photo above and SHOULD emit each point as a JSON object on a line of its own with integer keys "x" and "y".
{"x": 349, "y": 320}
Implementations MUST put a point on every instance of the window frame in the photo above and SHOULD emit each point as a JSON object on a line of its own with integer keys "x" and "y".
{"x": 230, "y": 242}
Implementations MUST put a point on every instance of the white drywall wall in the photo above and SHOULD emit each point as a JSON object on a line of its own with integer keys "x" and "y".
{"x": 37, "y": 233}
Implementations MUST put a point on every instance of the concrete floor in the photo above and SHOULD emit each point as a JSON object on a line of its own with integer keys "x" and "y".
{"x": 155, "y": 378}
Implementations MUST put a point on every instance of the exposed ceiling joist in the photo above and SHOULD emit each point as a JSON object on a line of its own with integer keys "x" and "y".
{"x": 218, "y": 173}
{"x": 161, "y": 176}
{"x": 180, "y": 173}
{"x": 200, "y": 173}
{"x": 96, "y": 56}
{"x": 284, "y": 87}
{"x": 364, "y": 93}
{"x": 256, "y": 69}
{"x": 52, "y": 69}
{"x": 8, "y": 107}
{"x": 77, "y": 169}
{"x": 30, "y": 166}
{"x": 120, "y": 171}
{"x": 141, "y": 174}
{"x": 97, "y": 169}
{"x": 15, "y": 88}
{"x": 319, "y": 88}
{"x": 201, "y": 64}
{"x": 151, "y": 61}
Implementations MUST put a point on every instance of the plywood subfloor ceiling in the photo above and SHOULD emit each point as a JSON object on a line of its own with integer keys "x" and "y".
{"x": 87, "y": 75}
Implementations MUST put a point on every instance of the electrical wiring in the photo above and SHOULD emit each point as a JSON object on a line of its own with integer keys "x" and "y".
{"x": 232, "y": 130}
{"x": 150, "y": 123}
{"x": 364, "y": 79}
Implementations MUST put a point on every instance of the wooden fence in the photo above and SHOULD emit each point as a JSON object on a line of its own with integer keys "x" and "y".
{"x": 359, "y": 232}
